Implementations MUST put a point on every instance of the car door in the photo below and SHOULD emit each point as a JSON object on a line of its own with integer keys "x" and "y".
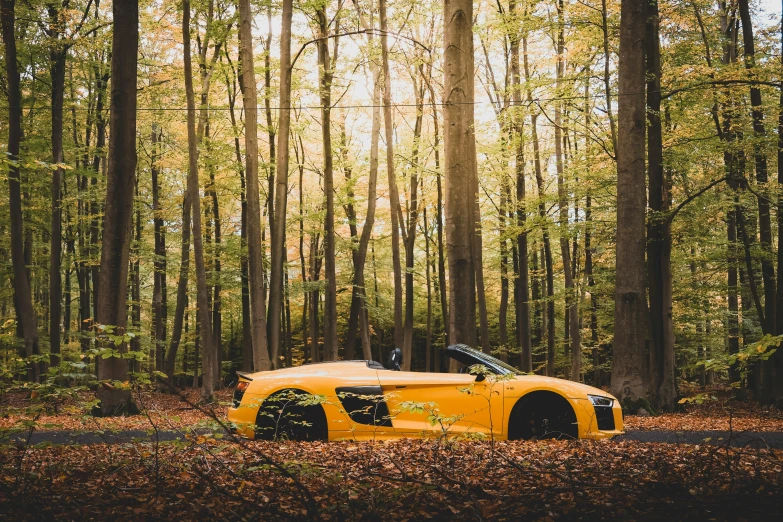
{"x": 436, "y": 403}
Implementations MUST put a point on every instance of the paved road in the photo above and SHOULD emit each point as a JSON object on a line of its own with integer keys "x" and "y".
{"x": 737, "y": 439}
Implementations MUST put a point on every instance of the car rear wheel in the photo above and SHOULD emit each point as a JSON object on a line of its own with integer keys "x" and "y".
{"x": 291, "y": 415}
{"x": 542, "y": 415}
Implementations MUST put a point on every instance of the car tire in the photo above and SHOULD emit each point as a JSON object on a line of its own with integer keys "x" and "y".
{"x": 282, "y": 417}
{"x": 542, "y": 415}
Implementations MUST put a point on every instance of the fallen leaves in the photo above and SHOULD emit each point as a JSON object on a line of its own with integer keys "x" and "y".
{"x": 400, "y": 480}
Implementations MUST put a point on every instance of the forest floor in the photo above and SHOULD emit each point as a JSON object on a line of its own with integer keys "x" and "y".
{"x": 208, "y": 475}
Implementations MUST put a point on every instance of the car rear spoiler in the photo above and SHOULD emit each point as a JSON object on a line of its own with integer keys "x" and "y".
{"x": 245, "y": 375}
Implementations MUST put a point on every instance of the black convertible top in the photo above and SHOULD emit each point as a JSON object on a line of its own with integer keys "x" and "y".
{"x": 468, "y": 356}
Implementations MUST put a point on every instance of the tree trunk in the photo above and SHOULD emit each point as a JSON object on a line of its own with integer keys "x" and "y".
{"x": 23, "y": 301}
{"x": 549, "y": 313}
{"x": 118, "y": 212}
{"x": 608, "y": 76}
{"x": 572, "y": 298}
{"x": 330, "y": 295}
{"x": 209, "y": 358}
{"x": 444, "y": 309}
{"x": 460, "y": 168}
{"x": 663, "y": 389}
{"x": 522, "y": 281}
{"x": 281, "y": 190}
{"x": 409, "y": 237}
{"x": 394, "y": 198}
{"x": 777, "y": 358}
{"x": 261, "y": 360}
{"x": 57, "y": 57}
{"x": 629, "y": 372}
{"x": 765, "y": 222}
{"x": 159, "y": 318}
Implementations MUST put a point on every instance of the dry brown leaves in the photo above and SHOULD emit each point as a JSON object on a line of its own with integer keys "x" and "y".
{"x": 403, "y": 480}
{"x": 165, "y": 410}
{"x": 713, "y": 415}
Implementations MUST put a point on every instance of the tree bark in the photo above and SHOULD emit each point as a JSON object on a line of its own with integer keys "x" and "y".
{"x": 522, "y": 281}
{"x": 23, "y": 301}
{"x": 548, "y": 316}
{"x": 572, "y": 298}
{"x": 460, "y": 169}
{"x": 57, "y": 57}
{"x": 118, "y": 212}
{"x": 281, "y": 191}
{"x": 629, "y": 381}
{"x": 394, "y": 198}
{"x": 765, "y": 221}
{"x": 159, "y": 316}
{"x": 209, "y": 357}
{"x": 261, "y": 360}
{"x": 330, "y": 295}
{"x": 663, "y": 390}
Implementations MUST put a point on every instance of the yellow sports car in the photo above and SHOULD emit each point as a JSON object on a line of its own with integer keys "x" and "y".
{"x": 364, "y": 400}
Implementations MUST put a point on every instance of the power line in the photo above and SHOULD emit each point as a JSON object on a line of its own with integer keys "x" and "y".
{"x": 369, "y": 106}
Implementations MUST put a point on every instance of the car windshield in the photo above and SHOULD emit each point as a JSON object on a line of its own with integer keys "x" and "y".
{"x": 470, "y": 356}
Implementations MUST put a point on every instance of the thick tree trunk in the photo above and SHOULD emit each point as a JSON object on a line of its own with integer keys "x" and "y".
{"x": 460, "y": 168}
{"x": 118, "y": 212}
{"x": 23, "y": 301}
{"x": 777, "y": 358}
{"x": 629, "y": 372}
{"x": 281, "y": 190}
{"x": 261, "y": 360}
{"x": 394, "y": 198}
{"x": 765, "y": 221}
{"x": 209, "y": 358}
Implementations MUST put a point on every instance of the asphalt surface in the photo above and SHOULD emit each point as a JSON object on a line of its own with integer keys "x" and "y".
{"x": 744, "y": 439}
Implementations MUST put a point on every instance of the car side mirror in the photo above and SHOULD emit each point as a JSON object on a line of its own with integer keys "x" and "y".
{"x": 480, "y": 377}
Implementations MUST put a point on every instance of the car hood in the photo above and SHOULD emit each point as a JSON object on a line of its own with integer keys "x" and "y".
{"x": 571, "y": 389}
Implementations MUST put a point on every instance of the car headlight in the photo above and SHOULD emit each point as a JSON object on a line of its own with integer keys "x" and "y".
{"x": 597, "y": 400}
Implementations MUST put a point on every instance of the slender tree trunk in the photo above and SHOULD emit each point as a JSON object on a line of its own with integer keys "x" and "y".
{"x": 522, "y": 282}
{"x": 113, "y": 282}
{"x": 409, "y": 237}
{"x": 549, "y": 314}
{"x": 281, "y": 190}
{"x": 209, "y": 358}
{"x": 135, "y": 344}
{"x": 394, "y": 198}
{"x": 572, "y": 298}
{"x": 23, "y": 301}
{"x": 444, "y": 309}
{"x": 261, "y": 360}
{"x": 608, "y": 76}
{"x": 428, "y": 335}
{"x": 217, "y": 314}
{"x": 330, "y": 295}
{"x": 159, "y": 318}
{"x": 57, "y": 57}
{"x": 629, "y": 381}
{"x": 460, "y": 168}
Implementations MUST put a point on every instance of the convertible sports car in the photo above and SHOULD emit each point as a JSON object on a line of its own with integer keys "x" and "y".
{"x": 363, "y": 400}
